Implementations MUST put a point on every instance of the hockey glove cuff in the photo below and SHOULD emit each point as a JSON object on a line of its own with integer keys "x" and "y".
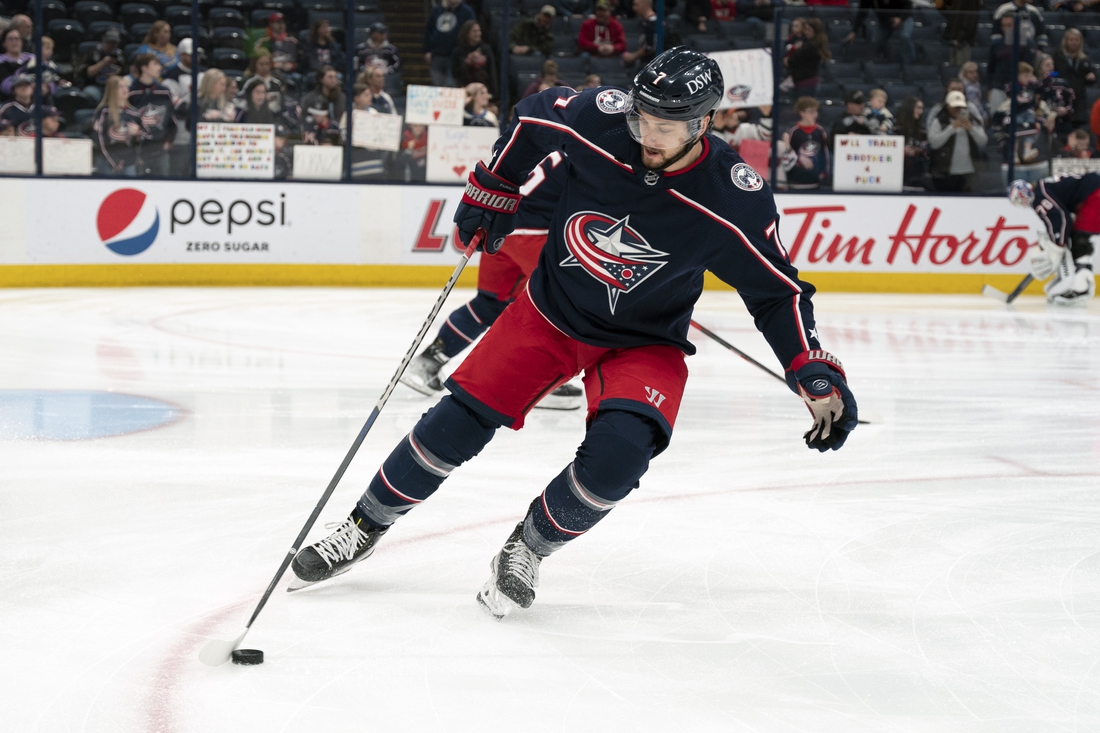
{"x": 818, "y": 378}
{"x": 490, "y": 203}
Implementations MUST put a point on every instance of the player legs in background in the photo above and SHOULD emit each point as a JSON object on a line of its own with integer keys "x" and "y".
{"x": 633, "y": 397}
{"x": 500, "y": 279}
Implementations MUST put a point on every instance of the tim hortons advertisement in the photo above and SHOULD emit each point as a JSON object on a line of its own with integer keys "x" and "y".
{"x": 820, "y": 233}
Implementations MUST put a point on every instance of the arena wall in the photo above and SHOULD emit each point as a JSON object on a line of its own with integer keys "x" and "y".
{"x": 68, "y": 232}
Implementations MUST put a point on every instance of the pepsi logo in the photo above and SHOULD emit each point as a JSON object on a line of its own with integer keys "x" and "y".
{"x": 127, "y": 222}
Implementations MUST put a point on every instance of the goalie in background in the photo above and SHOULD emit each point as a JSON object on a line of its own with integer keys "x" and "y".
{"x": 1069, "y": 207}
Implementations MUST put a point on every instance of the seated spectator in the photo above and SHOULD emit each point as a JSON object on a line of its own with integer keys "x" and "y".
{"x": 972, "y": 88}
{"x": 378, "y": 51}
{"x": 1079, "y": 146}
{"x": 756, "y": 12}
{"x": 365, "y": 163}
{"x": 117, "y": 129}
{"x": 533, "y": 35}
{"x": 324, "y": 106}
{"x": 955, "y": 138}
{"x": 282, "y": 46}
{"x": 602, "y": 35}
{"x": 322, "y": 49}
{"x": 1074, "y": 66}
{"x": 1032, "y": 114}
{"x": 953, "y": 85}
{"x": 697, "y": 12}
{"x": 284, "y": 153}
{"x": 647, "y": 41}
{"x": 1073, "y": 6}
{"x": 262, "y": 67}
{"x": 879, "y": 118}
{"x": 477, "y": 112}
{"x": 154, "y": 105}
{"x": 374, "y": 77}
{"x": 441, "y": 37}
{"x": 591, "y": 81}
{"x": 962, "y": 28}
{"x": 807, "y": 162}
{"x": 895, "y": 17}
{"x": 25, "y": 26}
{"x": 412, "y": 159}
{"x": 13, "y": 57}
{"x": 178, "y": 78}
{"x": 723, "y": 10}
{"x": 807, "y": 54}
{"x": 916, "y": 174}
{"x": 158, "y": 41}
{"x": 548, "y": 78}
{"x": 257, "y": 110}
{"x": 101, "y": 63}
{"x": 854, "y": 121}
{"x": 215, "y": 103}
{"x": 52, "y": 122}
{"x": 1058, "y": 95}
{"x": 574, "y": 8}
{"x": 17, "y": 116}
{"x": 736, "y": 126}
{"x": 1032, "y": 27}
{"x": 473, "y": 61}
{"x": 1000, "y": 60}
{"x": 51, "y": 74}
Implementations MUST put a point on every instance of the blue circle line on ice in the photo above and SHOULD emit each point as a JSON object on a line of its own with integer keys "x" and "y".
{"x": 80, "y": 414}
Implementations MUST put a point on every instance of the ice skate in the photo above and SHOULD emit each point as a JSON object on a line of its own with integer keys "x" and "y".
{"x": 565, "y": 397}
{"x": 515, "y": 576}
{"x": 1073, "y": 283}
{"x": 422, "y": 374}
{"x": 333, "y": 555}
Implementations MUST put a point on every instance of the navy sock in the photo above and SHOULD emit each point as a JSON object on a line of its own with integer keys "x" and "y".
{"x": 464, "y": 325}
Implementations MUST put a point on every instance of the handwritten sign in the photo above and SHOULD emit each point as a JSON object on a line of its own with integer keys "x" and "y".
{"x": 318, "y": 162}
{"x": 748, "y": 77}
{"x": 1074, "y": 166}
{"x": 374, "y": 131}
{"x": 62, "y": 157}
{"x": 869, "y": 163}
{"x": 454, "y": 151}
{"x": 231, "y": 150}
{"x": 434, "y": 105}
{"x": 17, "y": 155}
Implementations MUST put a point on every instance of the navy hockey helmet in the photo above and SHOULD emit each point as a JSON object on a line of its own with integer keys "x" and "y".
{"x": 680, "y": 84}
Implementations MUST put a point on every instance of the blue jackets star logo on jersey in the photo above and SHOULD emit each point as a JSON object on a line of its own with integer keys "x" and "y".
{"x": 611, "y": 251}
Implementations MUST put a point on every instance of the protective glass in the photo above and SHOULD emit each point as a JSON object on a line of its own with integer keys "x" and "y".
{"x": 658, "y": 133}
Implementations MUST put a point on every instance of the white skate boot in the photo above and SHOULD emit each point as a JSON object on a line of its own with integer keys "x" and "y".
{"x": 1073, "y": 284}
{"x": 514, "y": 579}
{"x": 422, "y": 374}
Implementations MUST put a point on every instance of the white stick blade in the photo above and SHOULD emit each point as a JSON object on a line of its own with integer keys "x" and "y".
{"x": 992, "y": 292}
{"x": 217, "y": 652}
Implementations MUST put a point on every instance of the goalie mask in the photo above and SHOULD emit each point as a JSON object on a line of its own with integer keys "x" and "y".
{"x": 1020, "y": 193}
{"x": 670, "y": 98}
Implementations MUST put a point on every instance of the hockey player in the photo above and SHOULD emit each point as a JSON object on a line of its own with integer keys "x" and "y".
{"x": 1069, "y": 207}
{"x": 500, "y": 279}
{"x": 650, "y": 202}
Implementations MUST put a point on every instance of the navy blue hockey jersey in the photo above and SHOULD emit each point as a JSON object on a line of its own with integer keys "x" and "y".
{"x": 627, "y": 248}
{"x": 1057, "y": 198}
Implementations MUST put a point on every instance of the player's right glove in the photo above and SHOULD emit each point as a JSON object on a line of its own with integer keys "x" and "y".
{"x": 490, "y": 203}
{"x": 1046, "y": 260}
{"x": 818, "y": 378}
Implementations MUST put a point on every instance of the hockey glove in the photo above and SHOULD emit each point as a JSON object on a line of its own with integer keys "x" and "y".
{"x": 490, "y": 203}
{"x": 1046, "y": 260}
{"x": 818, "y": 378}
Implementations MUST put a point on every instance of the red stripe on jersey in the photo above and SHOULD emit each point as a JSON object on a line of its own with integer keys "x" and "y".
{"x": 569, "y": 130}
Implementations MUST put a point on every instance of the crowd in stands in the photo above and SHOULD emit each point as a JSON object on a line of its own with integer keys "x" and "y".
{"x": 941, "y": 75}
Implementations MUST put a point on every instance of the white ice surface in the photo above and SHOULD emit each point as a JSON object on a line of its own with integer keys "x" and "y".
{"x": 940, "y": 573}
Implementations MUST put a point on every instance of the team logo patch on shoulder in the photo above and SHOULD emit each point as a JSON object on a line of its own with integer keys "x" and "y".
{"x": 745, "y": 178}
{"x": 739, "y": 92}
{"x": 611, "y": 101}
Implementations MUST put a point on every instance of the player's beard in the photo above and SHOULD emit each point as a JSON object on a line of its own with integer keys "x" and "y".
{"x": 668, "y": 160}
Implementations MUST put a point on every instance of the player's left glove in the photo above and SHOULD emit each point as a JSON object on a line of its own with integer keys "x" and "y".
{"x": 490, "y": 203}
{"x": 818, "y": 378}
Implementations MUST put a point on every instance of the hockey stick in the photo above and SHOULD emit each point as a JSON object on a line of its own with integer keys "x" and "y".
{"x": 993, "y": 292}
{"x": 217, "y": 651}
{"x": 706, "y": 331}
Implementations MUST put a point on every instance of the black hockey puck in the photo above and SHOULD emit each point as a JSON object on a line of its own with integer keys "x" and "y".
{"x": 248, "y": 656}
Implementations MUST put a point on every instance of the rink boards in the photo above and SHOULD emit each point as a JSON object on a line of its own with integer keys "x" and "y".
{"x": 68, "y": 232}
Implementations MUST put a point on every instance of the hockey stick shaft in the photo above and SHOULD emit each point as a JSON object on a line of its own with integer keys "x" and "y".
{"x": 474, "y": 242}
{"x": 706, "y": 331}
{"x": 1020, "y": 288}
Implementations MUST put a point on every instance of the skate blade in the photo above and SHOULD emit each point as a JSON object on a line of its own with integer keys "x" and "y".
{"x": 297, "y": 584}
{"x": 493, "y": 602}
{"x": 418, "y": 386}
{"x": 551, "y": 402}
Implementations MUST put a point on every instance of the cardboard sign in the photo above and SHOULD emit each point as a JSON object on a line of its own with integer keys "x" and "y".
{"x": 318, "y": 162}
{"x": 63, "y": 157}
{"x": 17, "y": 155}
{"x": 1074, "y": 166}
{"x": 748, "y": 77}
{"x": 869, "y": 163}
{"x": 454, "y": 151}
{"x": 375, "y": 131}
{"x": 231, "y": 150}
{"x": 434, "y": 105}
